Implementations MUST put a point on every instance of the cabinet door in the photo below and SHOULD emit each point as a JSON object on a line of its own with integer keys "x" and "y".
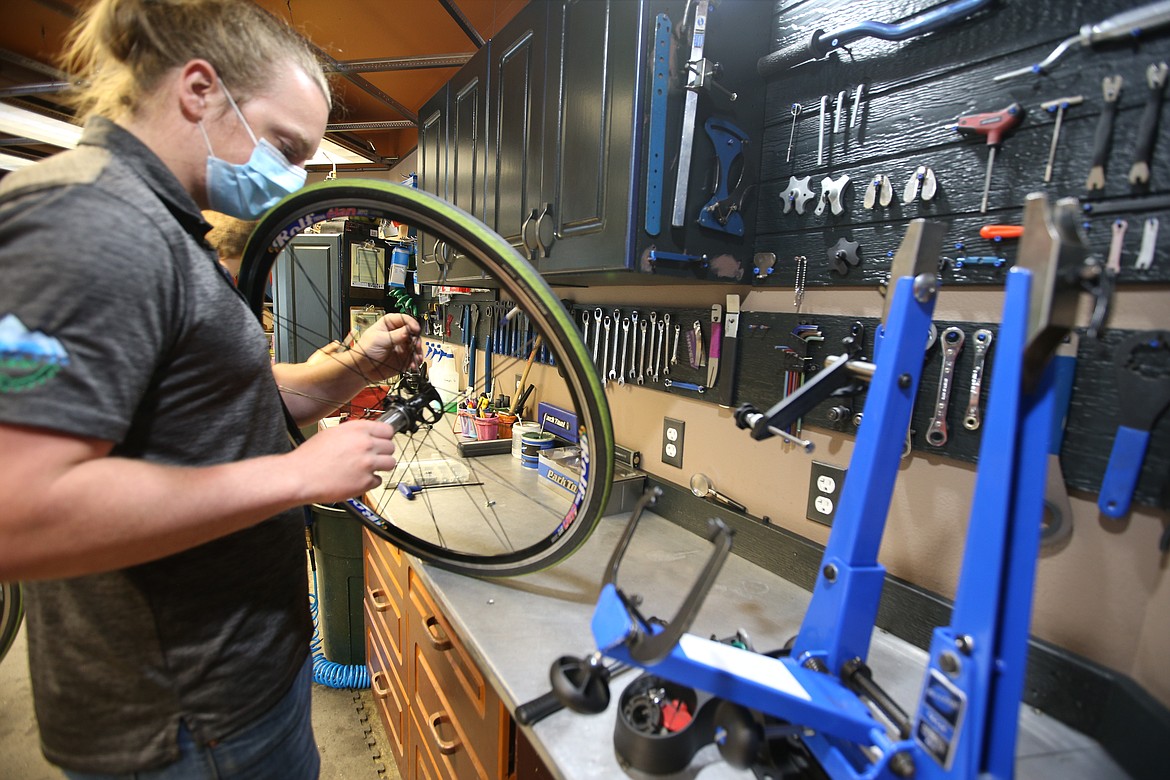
{"x": 589, "y": 135}
{"x": 517, "y": 119}
{"x": 307, "y": 271}
{"x": 432, "y": 174}
{"x": 468, "y": 127}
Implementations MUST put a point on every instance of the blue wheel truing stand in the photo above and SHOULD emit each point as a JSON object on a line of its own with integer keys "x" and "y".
{"x": 966, "y": 722}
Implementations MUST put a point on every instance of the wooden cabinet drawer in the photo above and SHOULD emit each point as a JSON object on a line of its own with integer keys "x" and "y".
{"x": 454, "y": 669}
{"x": 389, "y": 693}
{"x": 391, "y": 560}
{"x": 455, "y": 745}
{"x": 384, "y": 608}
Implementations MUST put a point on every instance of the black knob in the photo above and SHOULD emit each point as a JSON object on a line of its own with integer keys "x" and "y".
{"x": 582, "y": 684}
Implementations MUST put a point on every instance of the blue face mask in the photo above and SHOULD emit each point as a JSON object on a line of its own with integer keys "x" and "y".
{"x": 246, "y": 191}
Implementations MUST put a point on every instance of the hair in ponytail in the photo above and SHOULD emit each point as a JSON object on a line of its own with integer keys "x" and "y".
{"x": 121, "y": 49}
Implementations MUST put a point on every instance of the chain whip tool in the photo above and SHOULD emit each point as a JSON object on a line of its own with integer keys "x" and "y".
{"x": 952, "y": 345}
{"x": 972, "y": 420}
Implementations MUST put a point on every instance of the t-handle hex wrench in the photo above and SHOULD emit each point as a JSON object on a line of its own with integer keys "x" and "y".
{"x": 992, "y": 125}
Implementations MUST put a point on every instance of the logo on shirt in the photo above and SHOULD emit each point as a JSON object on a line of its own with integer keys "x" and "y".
{"x": 27, "y": 358}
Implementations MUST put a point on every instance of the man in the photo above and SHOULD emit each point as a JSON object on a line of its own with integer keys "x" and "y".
{"x": 151, "y": 503}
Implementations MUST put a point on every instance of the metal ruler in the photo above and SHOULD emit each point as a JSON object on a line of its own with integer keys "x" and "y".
{"x": 690, "y": 108}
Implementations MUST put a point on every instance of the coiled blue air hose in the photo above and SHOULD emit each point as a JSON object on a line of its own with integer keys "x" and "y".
{"x": 326, "y": 672}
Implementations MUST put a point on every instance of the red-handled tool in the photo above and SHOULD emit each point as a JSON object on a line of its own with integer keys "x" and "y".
{"x": 993, "y": 125}
{"x": 1000, "y": 232}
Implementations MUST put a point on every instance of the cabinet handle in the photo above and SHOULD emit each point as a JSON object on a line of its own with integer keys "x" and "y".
{"x": 385, "y": 689}
{"x": 524, "y": 235}
{"x": 378, "y": 599}
{"x": 545, "y": 211}
{"x": 437, "y": 636}
{"x": 381, "y": 690}
{"x": 446, "y": 748}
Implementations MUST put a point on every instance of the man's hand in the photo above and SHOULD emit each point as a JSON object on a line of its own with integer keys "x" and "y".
{"x": 390, "y": 346}
{"x": 339, "y": 462}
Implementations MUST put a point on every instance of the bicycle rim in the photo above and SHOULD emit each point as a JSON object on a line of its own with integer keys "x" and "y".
{"x": 11, "y": 614}
{"x": 518, "y": 520}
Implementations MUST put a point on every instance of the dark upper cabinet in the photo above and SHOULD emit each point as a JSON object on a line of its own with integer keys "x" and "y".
{"x": 584, "y": 218}
{"x": 452, "y": 149}
{"x": 565, "y": 139}
{"x": 433, "y": 149}
{"x": 516, "y": 102}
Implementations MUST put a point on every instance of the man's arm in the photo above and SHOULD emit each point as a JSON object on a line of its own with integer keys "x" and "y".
{"x": 71, "y": 509}
{"x": 336, "y": 373}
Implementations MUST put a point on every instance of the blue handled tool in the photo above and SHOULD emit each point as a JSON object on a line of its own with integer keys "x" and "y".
{"x": 722, "y": 211}
{"x": 1143, "y": 393}
{"x": 410, "y": 491}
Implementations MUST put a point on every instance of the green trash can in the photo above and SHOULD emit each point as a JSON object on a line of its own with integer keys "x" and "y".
{"x": 337, "y": 546}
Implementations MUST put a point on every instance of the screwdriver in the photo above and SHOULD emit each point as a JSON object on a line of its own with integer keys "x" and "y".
{"x": 993, "y": 125}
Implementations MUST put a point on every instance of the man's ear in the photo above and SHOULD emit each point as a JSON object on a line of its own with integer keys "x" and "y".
{"x": 200, "y": 90}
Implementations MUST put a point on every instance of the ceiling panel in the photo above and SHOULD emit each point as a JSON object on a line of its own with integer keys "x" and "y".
{"x": 344, "y": 30}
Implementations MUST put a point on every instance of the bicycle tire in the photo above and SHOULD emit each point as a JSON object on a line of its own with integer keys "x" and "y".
{"x": 516, "y": 278}
{"x": 11, "y": 615}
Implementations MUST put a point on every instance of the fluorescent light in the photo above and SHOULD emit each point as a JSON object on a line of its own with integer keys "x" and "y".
{"x": 27, "y": 124}
{"x": 10, "y": 162}
{"x": 331, "y": 153}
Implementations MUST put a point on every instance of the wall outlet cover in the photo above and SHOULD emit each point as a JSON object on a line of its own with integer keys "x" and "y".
{"x": 672, "y": 441}
{"x": 824, "y": 490}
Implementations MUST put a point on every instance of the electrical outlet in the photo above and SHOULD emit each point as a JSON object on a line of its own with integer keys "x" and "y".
{"x": 824, "y": 490}
{"x": 672, "y": 441}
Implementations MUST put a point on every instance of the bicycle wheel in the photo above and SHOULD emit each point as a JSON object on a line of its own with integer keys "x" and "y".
{"x": 494, "y": 516}
{"x": 11, "y": 614}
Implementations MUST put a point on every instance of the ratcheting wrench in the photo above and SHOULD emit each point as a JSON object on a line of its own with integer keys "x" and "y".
{"x": 585, "y": 326}
{"x": 952, "y": 343}
{"x": 674, "y": 352}
{"x": 653, "y": 339}
{"x": 972, "y": 420}
{"x": 634, "y": 347}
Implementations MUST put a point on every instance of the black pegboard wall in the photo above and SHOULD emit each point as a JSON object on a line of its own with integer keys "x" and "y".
{"x": 913, "y": 92}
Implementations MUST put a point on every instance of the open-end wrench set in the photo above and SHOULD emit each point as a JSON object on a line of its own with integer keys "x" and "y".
{"x": 666, "y": 349}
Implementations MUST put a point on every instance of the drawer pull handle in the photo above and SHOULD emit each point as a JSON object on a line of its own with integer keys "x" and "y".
{"x": 378, "y": 599}
{"x": 437, "y": 636}
{"x": 446, "y": 748}
{"x": 380, "y": 683}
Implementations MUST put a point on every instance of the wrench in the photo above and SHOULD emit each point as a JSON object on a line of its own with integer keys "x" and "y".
{"x": 642, "y": 354}
{"x": 617, "y": 318}
{"x": 596, "y": 334}
{"x": 983, "y": 338}
{"x": 625, "y": 349}
{"x": 585, "y": 326}
{"x": 666, "y": 362}
{"x": 658, "y": 352}
{"x": 634, "y": 347}
{"x": 1113, "y": 262}
{"x": 952, "y": 342}
{"x": 674, "y": 352}
{"x": 605, "y": 352}
{"x": 653, "y": 339}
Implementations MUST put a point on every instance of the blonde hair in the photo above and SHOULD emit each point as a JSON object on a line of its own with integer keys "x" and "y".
{"x": 120, "y": 50}
{"x": 228, "y": 236}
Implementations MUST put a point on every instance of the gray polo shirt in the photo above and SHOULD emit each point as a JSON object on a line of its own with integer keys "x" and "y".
{"x": 116, "y": 322}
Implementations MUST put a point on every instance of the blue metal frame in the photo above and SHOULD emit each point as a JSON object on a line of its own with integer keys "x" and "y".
{"x": 966, "y": 722}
